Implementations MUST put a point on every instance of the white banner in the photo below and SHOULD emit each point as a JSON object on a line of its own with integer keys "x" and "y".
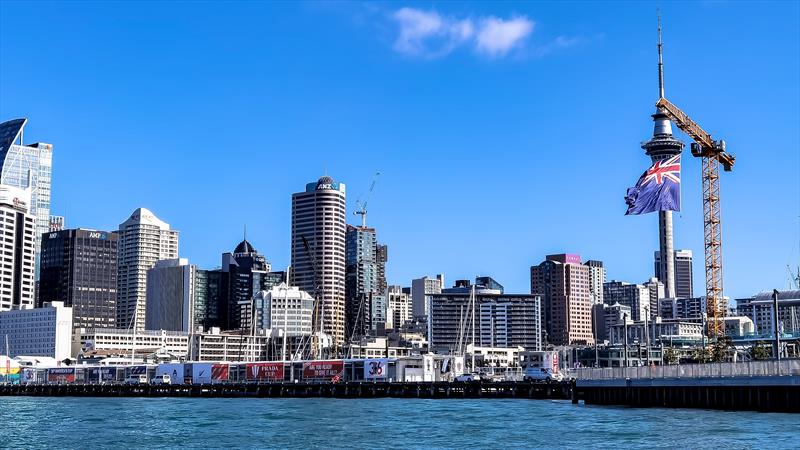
{"x": 376, "y": 368}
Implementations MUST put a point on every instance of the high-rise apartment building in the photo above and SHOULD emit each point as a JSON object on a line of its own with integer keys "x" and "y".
{"x": 421, "y": 291}
{"x": 143, "y": 240}
{"x": 398, "y": 307}
{"x": 562, "y": 282}
{"x": 171, "y": 296}
{"x": 597, "y": 276}
{"x": 27, "y": 166}
{"x": 318, "y": 252}
{"x": 656, "y": 289}
{"x": 501, "y": 320}
{"x": 17, "y": 260}
{"x": 79, "y": 268}
{"x": 210, "y": 302}
{"x": 285, "y": 309}
{"x": 682, "y": 262}
{"x": 365, "y": 277}
{"x": 634, "y": 296}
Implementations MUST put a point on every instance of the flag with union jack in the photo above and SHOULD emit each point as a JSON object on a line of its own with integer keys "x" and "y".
{"x": 658, "y": 189}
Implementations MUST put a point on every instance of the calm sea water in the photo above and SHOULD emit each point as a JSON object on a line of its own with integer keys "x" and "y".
{"x": 27, "y": 422}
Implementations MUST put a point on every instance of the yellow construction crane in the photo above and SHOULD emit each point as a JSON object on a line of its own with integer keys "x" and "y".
{"x": 713, "y": 154}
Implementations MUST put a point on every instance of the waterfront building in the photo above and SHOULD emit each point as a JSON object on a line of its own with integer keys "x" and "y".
{"x": 284, "y": 308}
{"x": 318, "y": 252}
{"x": 379, "y": 347}
{"x": 682, "y": 308}
{"x": 421, "y": 291}
{"x": 759, "y": 309}
{"x": 143, "y": 240}
{"x": 28, "y": 166}
{"x": 140, "y": 342}
{"x": 365, "y": 277}
{"x": 245, "y": 272}
{"x": 56, "y": 223}
{"x": 398, "y": 307}
{"x": 234, "y": 346}
{"x": 44, "y": 331}
{"x": 738, "y": 326}
{"x": 501, "y": 320}
{"x": 79, "y": 268}
{"x": 17, "y": 261}
{"x": 635, "y": 296}
{"x": 597, "y": 277}
{"x": 682, "y": 261}
{"x": 171, "y": 296}
{"x": 668, "y": 332}
{"x": 562, "y": 282}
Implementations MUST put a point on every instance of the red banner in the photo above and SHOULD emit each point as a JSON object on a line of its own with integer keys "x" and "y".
{"x": 219, "y": 372}
{"x": 61, "y": 375}
{"x": 265, "y": 371}
{"x": 326, "y": 370}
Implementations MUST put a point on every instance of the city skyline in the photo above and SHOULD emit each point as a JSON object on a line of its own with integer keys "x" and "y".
{"x": 438, "y": 210}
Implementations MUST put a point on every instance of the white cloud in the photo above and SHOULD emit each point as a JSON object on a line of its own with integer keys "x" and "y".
{"x": 427, "y": 33}
{"x": 430, "y": 34}
{"x": 497, "y": 36}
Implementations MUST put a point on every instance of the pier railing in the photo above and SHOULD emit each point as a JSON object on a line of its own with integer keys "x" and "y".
{"x": 710, "y": 370}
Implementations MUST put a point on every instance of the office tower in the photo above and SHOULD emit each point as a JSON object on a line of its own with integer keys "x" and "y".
{"x": 656, "y": 289}
{"x": 282, "y": 308}
{"x": 501, "y": 320}
{"x": 365, "y": 277}
{"x": 245, "y": 272}
{"x": 143, "y": 240}
{"x": 421, "y": 291}
{"x": 17, "y": 261}
{"x": 210, "y": 302}
{"x": 398, "y": 307}
{"x": 318, "y": 253}
{"x": 597, "y": 276}
{"x": 56, "y": 223}
{"x": 171, "y": 296}
{"x": 563, "y": 284}
{"x": 634, "y": 296}
{"x": 682, "y": 262}
{"x": 27, "y": 166}
{"x": 79, "y": 268}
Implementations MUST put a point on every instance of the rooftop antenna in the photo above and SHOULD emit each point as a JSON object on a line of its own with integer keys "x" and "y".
{"x": 660, "y": 60}
{"x": 245, "y": 232}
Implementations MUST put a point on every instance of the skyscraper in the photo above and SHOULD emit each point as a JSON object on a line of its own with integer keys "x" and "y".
{"x": 318, "y": 252}
{"x": 562, "y": 282}
{"x": 245, "y": 272}
{"x": 365, "y": 277}
{"x": 597, "y": 276}
{"x": 79, "y": 268}
{"x": 684, "y": 279}
{"x": 171, "y": 296}
{"x": 421, "y": 291}
{"x": 27, "y": 167}
{"x": 143, "y": 240}
{"x": 18, "y": 228}
{"x": 663, "y": 146}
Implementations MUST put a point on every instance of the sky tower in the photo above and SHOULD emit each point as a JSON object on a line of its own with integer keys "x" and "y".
{"x": 662, "y": 146}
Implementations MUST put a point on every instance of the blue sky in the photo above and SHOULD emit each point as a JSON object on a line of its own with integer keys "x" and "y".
{"x": 503, "y": 131}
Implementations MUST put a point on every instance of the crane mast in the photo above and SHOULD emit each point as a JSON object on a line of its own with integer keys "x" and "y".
{"x": 712, "y": 154}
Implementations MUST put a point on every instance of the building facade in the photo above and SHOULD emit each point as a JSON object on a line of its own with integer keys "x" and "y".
{"x": 318, "y": 253}
{"x": 79, "y": 268}
{"x": 421, "y": 291}
{"x": 17, "y": 256}
{"x": 398, "y": 307}
{"x": 56, "y": 223}
{"x": 143, "y": 240}
{"x": 760, "y": 310}
{"x": 365, "y": 277}
{"x": 562, "y": 282}
{"x": 171, "y": 295}
{"x": 245, "y": 272}
{"x": 597, "y": 277}
{"x": 634, "y": 296}
{"x": 684, "y": 280}
{"x": 44, "y": 331}
{"x": 284, "y": 309}
{"x": 501, "y": 320}
{"x": 27, "y": 166}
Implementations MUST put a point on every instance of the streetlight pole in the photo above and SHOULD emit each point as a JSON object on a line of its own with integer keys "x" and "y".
{"x": 625, "y": 337}
{"x": 775, "y": 322}
{"x": 647, "y": 335}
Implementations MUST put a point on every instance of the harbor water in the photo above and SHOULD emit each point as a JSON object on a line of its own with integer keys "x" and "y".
{"x": 70, "y": 422}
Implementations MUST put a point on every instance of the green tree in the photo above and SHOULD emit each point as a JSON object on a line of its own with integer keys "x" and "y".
{"x": 759, "y": 351}
{"x": 701, "y": 354}
{"x": 720, "y": 350}
{"x": 671, "y": 356}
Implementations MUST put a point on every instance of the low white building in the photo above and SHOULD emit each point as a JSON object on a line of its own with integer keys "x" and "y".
{"x": 142, "y": 342}
{"x": 42, "y": 331}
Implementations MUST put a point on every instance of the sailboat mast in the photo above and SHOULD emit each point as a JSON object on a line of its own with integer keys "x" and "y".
{"x": 473, "y": 328}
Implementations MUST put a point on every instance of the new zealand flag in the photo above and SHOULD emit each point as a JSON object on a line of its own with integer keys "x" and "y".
{"x": 658, "y": 189}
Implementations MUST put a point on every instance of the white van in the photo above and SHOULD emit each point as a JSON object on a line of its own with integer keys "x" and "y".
{"x": 541, "y": 374}
{"x": 136, "y": 379}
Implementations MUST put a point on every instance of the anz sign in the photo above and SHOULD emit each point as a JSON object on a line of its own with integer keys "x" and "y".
{"x": 97, "y": 235}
